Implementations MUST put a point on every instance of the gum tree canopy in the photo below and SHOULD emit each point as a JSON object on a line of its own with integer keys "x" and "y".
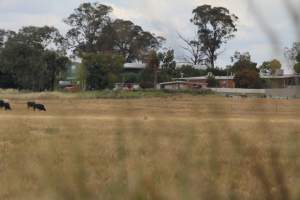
{"x": 32, "y": 58}
{"x": 216, "y": 25}
{"x": 245, "y": 70}
{"x": 271, "y": 66}
{"x": 93, "y": 31}
{"x": 131, "y": 40}
{"x": 87, "y": 24}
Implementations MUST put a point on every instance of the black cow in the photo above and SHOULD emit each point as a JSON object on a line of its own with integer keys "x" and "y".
{"x": 5, "y": 105}
{"x": 39, "y": 107}
{"x": 1, "y": 103}
{"x": 30, "y": 104}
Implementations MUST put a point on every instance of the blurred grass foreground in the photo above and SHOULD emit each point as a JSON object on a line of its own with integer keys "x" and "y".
{"x": 178, "y": 146}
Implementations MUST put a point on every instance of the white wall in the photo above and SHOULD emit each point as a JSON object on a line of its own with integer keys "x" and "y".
{"x": 239, "y": 91}
{"x": 291, "y": 92}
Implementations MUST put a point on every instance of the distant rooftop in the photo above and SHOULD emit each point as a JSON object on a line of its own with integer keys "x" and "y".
{"x": 178, "y": 65}
{"x": 206, "y": 77}
{"x": 232, "y": 77}
{"x": 181, "y": 64}
{"x": 280, "y": 77}
{"x": 134, "y": 66}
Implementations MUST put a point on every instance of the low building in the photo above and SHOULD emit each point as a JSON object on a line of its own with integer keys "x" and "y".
{"x": 182, "y": 85}
{"x": 70, "y": 79}
{"x": 200, "y": 66}
{"x": 281, "y": 81}
{"x": 127, "y": 86}
{"x": 223, "y": 81}
{"x": 139, "y": 66}
{"x": 174, "y": 85}
{"x": 134, "y": 67}
{"x": 272, "y": 81}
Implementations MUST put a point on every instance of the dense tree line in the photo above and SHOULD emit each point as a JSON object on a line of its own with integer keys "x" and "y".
{"x": 102, "y": 70}
{"x": 32, "y": 58}
{"x": 36, "y": 58}
{"x": 94, "y": 31}
{"x": 105, "y": 44}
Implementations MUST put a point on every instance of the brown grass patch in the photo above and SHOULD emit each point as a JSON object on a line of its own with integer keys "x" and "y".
{"x": 179, "y": 147}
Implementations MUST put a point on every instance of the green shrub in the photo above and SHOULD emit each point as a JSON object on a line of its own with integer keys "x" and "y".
{"x": 212, "y": 82}
{"x": 297, "y": 68}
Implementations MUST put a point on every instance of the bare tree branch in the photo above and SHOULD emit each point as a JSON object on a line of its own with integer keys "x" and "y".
{"x": 196, "y": 56}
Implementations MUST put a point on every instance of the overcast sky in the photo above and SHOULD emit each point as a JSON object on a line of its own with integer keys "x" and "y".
{"x": 167, "y": 18}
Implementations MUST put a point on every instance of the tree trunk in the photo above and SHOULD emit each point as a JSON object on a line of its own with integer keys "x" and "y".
{"x": 53, "y": 81}
{"x": 155, "y": 78}
{"x": 156, "y": 71}
{"x": 212, "y": 62}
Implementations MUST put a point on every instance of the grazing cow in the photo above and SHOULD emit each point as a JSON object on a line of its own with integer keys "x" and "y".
{"x": 4, "y": 104}
{"x": 39, "y": 107}
{"x": 30, "y": 104}
{"x": 1, "y": 103}
{"x": 7, "y": 106}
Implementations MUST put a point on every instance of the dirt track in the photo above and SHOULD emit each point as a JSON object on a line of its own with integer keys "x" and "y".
{"x": 114, "y": 118}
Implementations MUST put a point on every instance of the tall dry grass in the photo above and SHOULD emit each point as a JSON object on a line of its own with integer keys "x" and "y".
{"x": 177, "y": 147}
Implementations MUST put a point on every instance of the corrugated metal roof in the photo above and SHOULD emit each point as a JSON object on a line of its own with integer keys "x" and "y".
{"x": 174, "y": 82}
{"x": 281, "y": 77}
{"x": 224, "y": 77}
{"x": 181, "y": 64}
{"x": 134, "y": 66}
{"x": 206, "y": 77}
{"x": 143, "y": 66}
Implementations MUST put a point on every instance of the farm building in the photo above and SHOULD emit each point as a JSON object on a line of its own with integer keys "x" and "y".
{"x": 182, "y": 85}
{"x": 223, "y": 81}
{"x": 138, "y": 67}
{"x": 127, "y": 86}
{"x": 134, "y": 67}
{"x": 282, "y": 81}
{"x": 182, "y": 64}
{"x": 273, "y": 81}
{"x": 70, "y": 81}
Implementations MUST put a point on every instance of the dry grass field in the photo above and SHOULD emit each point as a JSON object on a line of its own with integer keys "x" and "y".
{"x": 178, "y": 147}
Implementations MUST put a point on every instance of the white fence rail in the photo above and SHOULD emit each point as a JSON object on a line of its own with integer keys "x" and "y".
{"x": 291, "y": 92}
{"x": 239, "y": 91}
